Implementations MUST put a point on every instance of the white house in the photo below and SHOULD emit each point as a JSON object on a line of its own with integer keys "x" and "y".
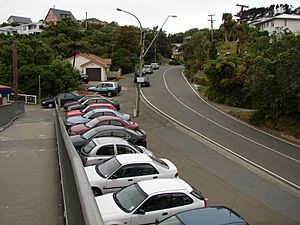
{"x": 283, "y": 22}
{"x": 29, "y": 28}
{"x": 95, "y": 67}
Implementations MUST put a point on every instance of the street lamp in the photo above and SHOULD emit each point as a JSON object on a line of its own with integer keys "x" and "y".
{"x": 174, "y": 16}
{"x": 141, "y": 61}
{"x": 142, "y": 55}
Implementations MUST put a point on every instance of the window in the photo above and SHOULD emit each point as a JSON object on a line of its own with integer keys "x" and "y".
{"x": 103, "y": 134}
{"x": 145, "y": 169}
{"x": 126, "y": 171}
{"x": 157, "y": 202}
{"x": 108, "y": 114}
{"x": 124, "y": 149}
{"x": 106, "y": 150}
{"x": 116, "y": 123}
{"x": 120, "y": 133}
{"x": 96, "y": 115}
{"x": 180, "y": 199}
{"x": 106, "y": 122}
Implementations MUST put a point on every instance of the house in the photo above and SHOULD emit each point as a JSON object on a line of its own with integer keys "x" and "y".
{"x": 30, "y": 28}
{"x": 283, "y": 22}
{"x": 19, "y": 20}
{"x": 55, "y": 15}
{"x": 97, "y": 68}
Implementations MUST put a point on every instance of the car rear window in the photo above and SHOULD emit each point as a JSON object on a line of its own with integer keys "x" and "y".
{"x": 197, "y": 194}
{"x": 88, "y": 147}
{"x": 159, "y": 161}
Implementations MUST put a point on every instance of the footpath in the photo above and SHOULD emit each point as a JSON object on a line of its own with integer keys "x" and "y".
{"x": 29, "y": 171}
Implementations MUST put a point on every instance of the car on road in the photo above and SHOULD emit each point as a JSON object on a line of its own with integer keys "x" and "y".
{"x": 99, "y": 149}
{"x": 80, "y": 112}
{"x": 148, "y": 69}
{"x": 213, "y": 215}
{"x": 62, "y": 97}
{"x": 92, "y": 100}
{"x": 137, "y": 137}
{"x": 155, "y": 66}
{"x": 144, "y": 80}
{"x": 148, "y": 202}
{"x": 100, "y": 121}
{"x": 108, "y": 88}
{"x": 122, "y": 170}
{"x": 73, "y": 120}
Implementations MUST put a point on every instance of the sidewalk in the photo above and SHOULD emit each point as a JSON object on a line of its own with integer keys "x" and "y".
{"x": 29, "y": 172}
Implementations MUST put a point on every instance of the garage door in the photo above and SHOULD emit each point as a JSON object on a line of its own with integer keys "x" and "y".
{"x": 94, "y": 74}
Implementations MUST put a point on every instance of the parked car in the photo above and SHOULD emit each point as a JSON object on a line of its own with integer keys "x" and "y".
{"x": 144, "y": 80}
{"x": 155, "y": 66}
{"x": 84, "y": 78}
{"x": 73, "y": 120}
{"x": 214, "y": 215}
{"x": 108, "y": 88}
{"x": 62, "y": 97}
{"x": 148, "y": 202}
{"x": 99, "y": 149}
{"x": 80, "y": 112}
{"x": 100, "y": 121}
{"x": 122, "y": 170}
{"x": 137, "y": 137}
{"x": 92, "y": 100}
{"x": 81, "y": 100}
{"x": 148, "y": 69}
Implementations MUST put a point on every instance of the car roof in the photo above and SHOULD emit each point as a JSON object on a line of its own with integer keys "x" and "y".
{"x": 133, "y": 158}
{"x": 164, "y": 185}
{"x": 109, "y": 140}
{"x": 103, "y": 118}
{"x": 109, "y": 127}
{"x": 215, "y": 215}
{"x": 100, "y": 104}
{"x": 103, "y": 110}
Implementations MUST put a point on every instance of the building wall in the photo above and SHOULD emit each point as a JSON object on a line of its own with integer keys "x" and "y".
{"x": 82, "y": 60}
{"x": 272, "y": 25}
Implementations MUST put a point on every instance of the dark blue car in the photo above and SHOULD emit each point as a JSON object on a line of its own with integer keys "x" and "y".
{"x": 214, "y": 215}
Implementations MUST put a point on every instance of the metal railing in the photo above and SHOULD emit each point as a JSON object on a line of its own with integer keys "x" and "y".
{"x": 28, "y": 99}
{"x": 79, "y": 202}
{"x": 10, "y": 112}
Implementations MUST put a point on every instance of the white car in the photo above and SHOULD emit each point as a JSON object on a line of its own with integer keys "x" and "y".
{"x": 99, "y": 149}
{"x": 122, "y": 170}
{"x": 155, "y": 66}
{"x": 148, "y": 202}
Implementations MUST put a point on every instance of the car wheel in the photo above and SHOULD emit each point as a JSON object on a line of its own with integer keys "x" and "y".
{"x": 109, "y": 94}
{"x": 96, "y": 191}
{"x": 50, "y": 105}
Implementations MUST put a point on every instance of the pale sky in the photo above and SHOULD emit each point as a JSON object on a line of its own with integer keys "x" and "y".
{"x": 190, "y": 13}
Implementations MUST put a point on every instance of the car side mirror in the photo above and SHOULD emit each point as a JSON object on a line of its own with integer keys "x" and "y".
{"x": 140, "y": 211}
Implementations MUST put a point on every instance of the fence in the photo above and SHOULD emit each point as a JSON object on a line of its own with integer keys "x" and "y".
{"x": 79, "y": 201}
{"x": 31, "y": 99}
{"x": 10, "y": 112}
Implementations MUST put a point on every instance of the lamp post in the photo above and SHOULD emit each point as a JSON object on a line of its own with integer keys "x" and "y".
{"x": 142, "y": 55}
{"x": 141, "y": 61}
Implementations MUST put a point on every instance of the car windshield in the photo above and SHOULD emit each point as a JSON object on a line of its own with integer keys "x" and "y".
{"x": 92, "y": 123}
{"x": 87, "y": 135}
{"x": 85, "y": 109}
{"x": 88, "y": 114}
{"x": 88, "y": 147}
{"x": 108, "y": 167}
{"x": 129, "y": 198}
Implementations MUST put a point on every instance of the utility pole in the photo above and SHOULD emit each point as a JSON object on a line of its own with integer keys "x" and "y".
{"x": 15, "y": 71}
{"x": 240, "y": 15}
{"x": 212, "y": 26}
{"x": 86, "y": 22}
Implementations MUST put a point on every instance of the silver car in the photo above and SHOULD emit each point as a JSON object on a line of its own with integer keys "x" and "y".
{"x": 99, "y": 149}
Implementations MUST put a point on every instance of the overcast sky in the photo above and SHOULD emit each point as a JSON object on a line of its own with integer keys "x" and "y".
{"x": 190, "y": 13}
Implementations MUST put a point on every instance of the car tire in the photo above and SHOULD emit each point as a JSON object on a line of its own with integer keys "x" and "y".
{"x": 51, "y": 105}
{"x": 96, "y": 191}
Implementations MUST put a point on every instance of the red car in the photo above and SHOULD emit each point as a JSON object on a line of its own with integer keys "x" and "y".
{"x": 99, "y": 121}
{"x": 80, "y": 112}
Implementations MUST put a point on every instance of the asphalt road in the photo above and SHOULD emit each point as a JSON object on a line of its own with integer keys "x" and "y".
{"x": 201, "y": 153}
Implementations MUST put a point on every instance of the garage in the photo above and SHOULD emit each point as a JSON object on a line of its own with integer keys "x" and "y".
{"x": 94, "y": 74}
